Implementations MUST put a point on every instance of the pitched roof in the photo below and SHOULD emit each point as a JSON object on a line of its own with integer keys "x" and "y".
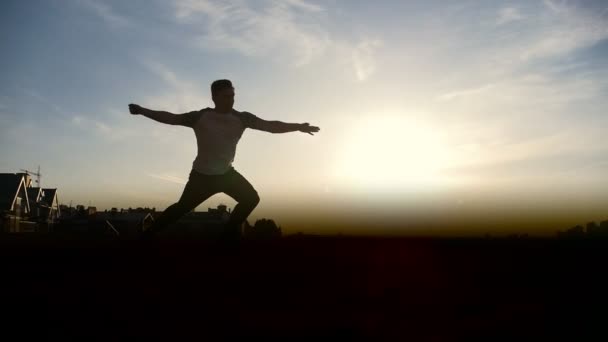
{"x": 10, "y": 185}
{"x": 49, "y": 196}
{"x": 33, "y": 194}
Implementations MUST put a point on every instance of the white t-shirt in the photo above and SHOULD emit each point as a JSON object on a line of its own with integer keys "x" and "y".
{"x": 217, "y": 135}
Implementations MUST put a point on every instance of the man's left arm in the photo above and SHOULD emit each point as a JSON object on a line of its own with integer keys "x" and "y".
{"x": 278, "y": 126}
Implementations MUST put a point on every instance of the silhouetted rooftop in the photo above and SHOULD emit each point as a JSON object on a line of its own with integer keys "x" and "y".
{"x": 48, "y": 196}
{"x": 9, "y": 185}
{"x": 33, "y": 194}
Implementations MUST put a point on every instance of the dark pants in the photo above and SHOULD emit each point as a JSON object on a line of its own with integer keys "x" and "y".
{"x": 200, "y": 187}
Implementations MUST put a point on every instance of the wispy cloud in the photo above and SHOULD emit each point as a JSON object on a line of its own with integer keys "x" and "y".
{"x": 184, "y": 95}
{"x": 564, "y": 29}
{"x": 43, "y": 100}
{"x": 557, "y": 7}
{"x": 77, "y": 120}
{"x": 364, "y": 59}
{"x": 524, "y": 120}
{"x": 557, "y": 144}
{"x": 305, "y": 5}
{"x": 463, "y": 93}
{"x": 509, "y": 14}
{"x": 102, "y": 127}
{"x": 535, "y": 91}
{"x": 106, "y": 130}
{"x": 168, "y": 178}
{"x": 91, "y": 125}
{"x": 508, "y": 64}
{"x": 561, "y": 157}
{"x": 106, "y": 13}
{"x": 274, "y": 29}
{"x": 293, "y": 32}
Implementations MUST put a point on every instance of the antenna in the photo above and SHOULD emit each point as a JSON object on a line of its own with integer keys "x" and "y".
{"x": 37, "y": 174}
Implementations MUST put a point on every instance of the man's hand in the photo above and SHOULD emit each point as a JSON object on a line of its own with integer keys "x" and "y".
{"x": 135, "y": 109}
{"x": 307, "y": 128}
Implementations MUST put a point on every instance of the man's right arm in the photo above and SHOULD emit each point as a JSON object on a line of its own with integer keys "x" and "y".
{"x": 164, "y": 117}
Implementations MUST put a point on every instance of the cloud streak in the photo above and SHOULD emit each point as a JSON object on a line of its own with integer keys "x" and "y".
{"x": 276, "y": 29}
{"x": 106, "y": 13}
{"x": 524, "y": 102}
{"x": 184, "y": 95}
{"x": 527, "y": 65}
{"x": 44, "y": 100}
{"x": 509, "y": 14}
{"x": 108, "y": 131}
{"x": 564, "y": 30}
{"x": 363, "y": 58}
{"x": 464, "y": 93}
{"x": 292, "y": 32}
{"x": 168, "y": 178}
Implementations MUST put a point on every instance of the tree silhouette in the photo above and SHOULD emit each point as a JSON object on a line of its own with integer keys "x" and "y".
{"x": 263, "y": 229}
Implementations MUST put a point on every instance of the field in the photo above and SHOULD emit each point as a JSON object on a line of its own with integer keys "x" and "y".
{"x": 306, "y": 288}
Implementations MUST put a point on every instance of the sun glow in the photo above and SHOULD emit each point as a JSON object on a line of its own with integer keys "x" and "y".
{"x": 391, "y": 152}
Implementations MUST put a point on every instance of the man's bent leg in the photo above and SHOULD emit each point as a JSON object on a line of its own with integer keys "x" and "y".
{"x": 237, "y": 187}
{"x": 198, "y": 189}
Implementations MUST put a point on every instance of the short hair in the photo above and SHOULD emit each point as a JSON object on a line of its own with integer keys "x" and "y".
{"x": 220, "y": 85}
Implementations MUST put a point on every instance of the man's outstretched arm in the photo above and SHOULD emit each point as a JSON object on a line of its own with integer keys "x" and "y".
{"x": 285, "y": 127}
{"x": 279, "y": 126}
{"x": 161, "y": 116}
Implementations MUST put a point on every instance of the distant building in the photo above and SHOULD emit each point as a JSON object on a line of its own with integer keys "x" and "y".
{"x": 14, "y": 203}
{"x": 34, "y": 195}
{"x": 602, "y": 229}
{"x": 44, "y": 206}
{"x": 576, "y": 231}
{"x": 133, "y": 221}
{"x": 593, "y": 228}
{"x": 604, "y": 226}
{"x": 67, "y": 212}
{"x": 124, "y": 223}
{"x": 202, "y": 223}
{"x": 48, "y": 209}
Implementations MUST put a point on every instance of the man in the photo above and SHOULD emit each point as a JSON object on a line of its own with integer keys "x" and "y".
{"x": 218, "y": 131}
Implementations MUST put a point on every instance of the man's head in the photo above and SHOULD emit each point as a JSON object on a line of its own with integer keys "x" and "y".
{"x": 222, "y": 93}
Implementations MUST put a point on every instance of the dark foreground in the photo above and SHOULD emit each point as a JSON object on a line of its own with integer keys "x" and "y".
{"x": 305, "y": 289}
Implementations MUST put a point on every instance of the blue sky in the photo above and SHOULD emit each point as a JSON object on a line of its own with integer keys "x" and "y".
{"x": 463, "y": 108}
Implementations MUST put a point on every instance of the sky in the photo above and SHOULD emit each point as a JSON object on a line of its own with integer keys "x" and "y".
{"x": 436, "y": 117}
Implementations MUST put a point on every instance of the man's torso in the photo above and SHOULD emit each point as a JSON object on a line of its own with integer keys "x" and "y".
{"x": 217, "y": 135}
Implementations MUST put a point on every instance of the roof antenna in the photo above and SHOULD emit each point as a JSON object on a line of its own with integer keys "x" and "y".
{"x": 37, "y": 174}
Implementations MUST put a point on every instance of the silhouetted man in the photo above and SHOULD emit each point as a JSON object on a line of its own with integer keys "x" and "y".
{"x": 218, "y": 131}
